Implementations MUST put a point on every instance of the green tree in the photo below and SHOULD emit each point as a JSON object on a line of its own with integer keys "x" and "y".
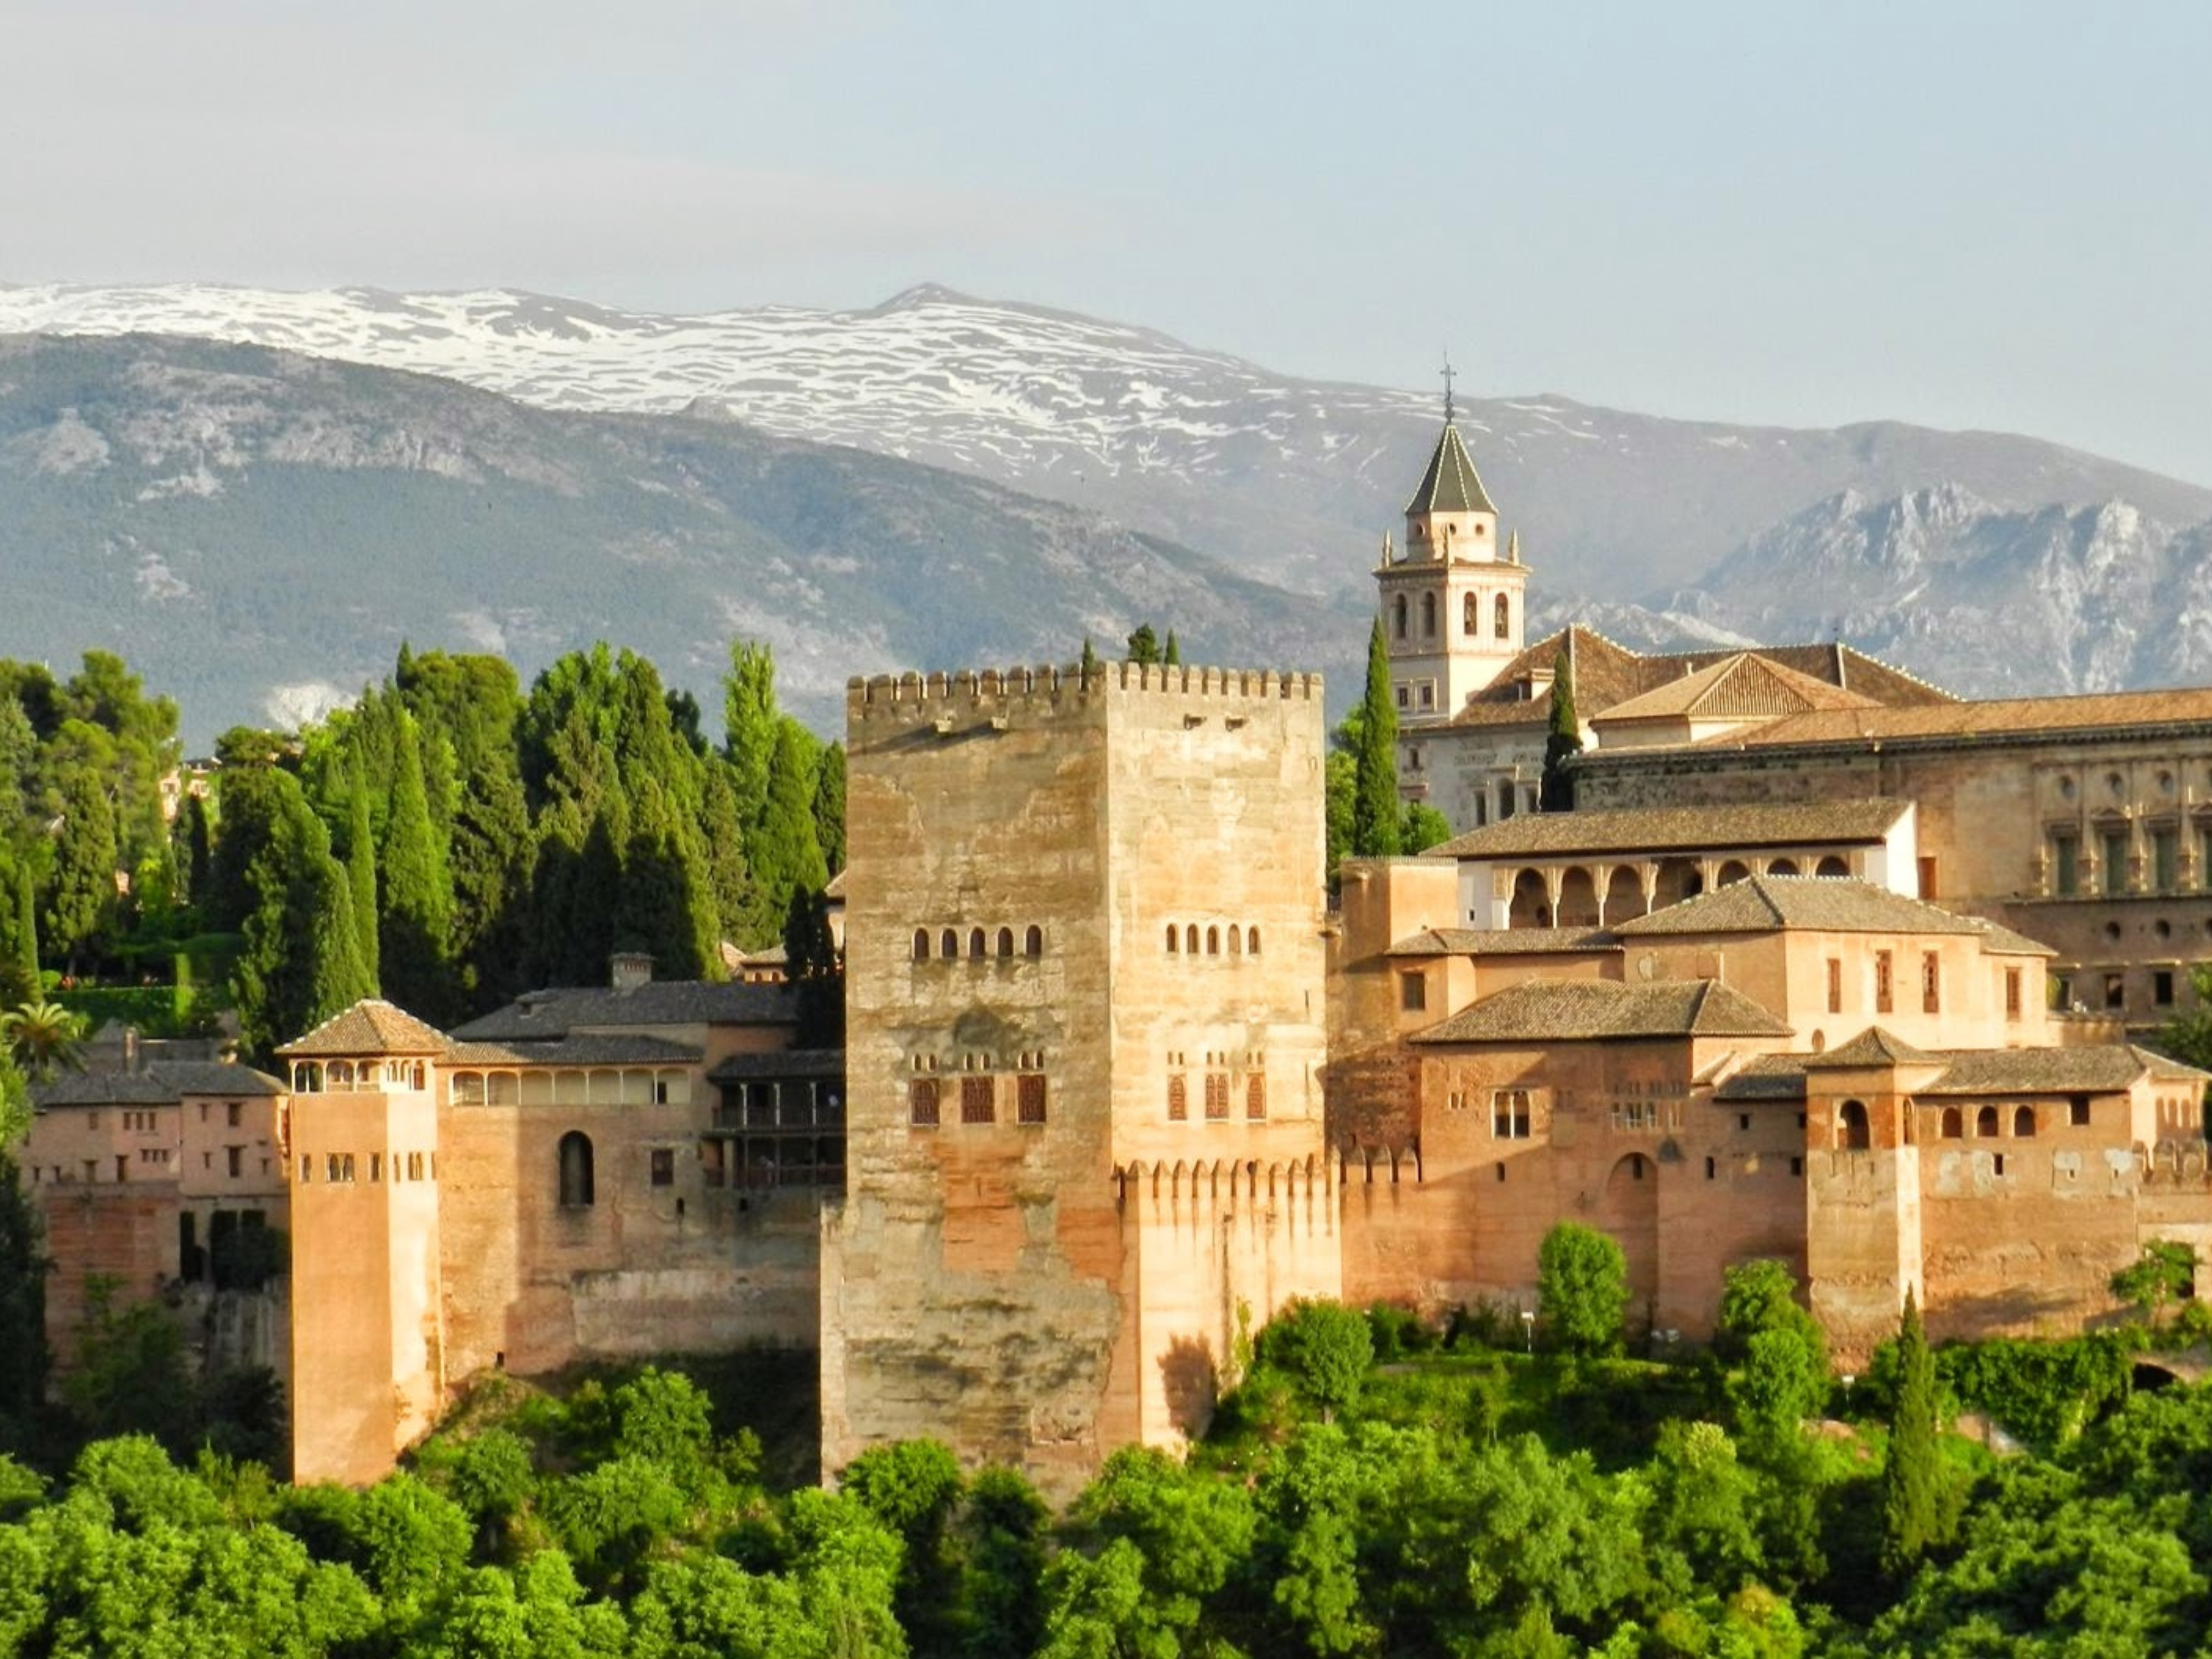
{"x": 1423, "y": 827}
{"x": 1912, "y": 1478}
{"x": 2164, "y": 1274}
{"x": 829, "y": 806}
{"x": 130, "y": 1374}
{"x": 300, "y": 961}
{"x": 1375, "y": 808}
{"x": 361, "y": 875}
{"x": 1144, "y": 644}
{"x": 415, "y": 917}
{"x": 1325, "y": 1347}
{"x": 23, "y": 1355}
{"x": 817, "y": 975}
{"x": 27, "y": 922}
{"x": 1001, "y": 1544}
{"x": 1088, "y": 666}
{"x": 195, "y": 844}
{"x": 2187, "y": 1033}
{"x": 43, "y": 1038}
{"x": 1582, "y": 1284}
{"x": 1172, "y": 652}
{"x": 782, "y": 854}
{"x": 750, "y": 722}
{"x": 80, "y": 899}
{"x": 1563, "y": 739}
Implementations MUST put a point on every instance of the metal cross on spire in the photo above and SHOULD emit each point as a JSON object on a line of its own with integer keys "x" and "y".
{"x": 1446, "y": 372}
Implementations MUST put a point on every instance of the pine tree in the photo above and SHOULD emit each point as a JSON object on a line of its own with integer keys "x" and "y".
{"x": 361, "y": 875}
{"x": 1144, "y": 644}
{"x": 1375, "y": 809}
{"x": 1563, "y": 742}
{"x": 416, "y": 909}
{"x": 829, "y": 806}
{"x": 1911, "y": 1489}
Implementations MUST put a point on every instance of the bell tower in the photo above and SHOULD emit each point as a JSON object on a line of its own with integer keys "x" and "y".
{"x": 1452, "y": 599}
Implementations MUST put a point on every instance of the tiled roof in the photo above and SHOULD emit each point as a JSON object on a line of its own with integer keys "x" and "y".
{"x": 540, "y": 1015}
{"x": 2103, "y": 1068}
{"x": 609, "y": 1049}
{"x": 1872, "y": 1048}
{"x": 1765, "y": 904}
{"x": 1746, "y": 686}
{"x": 2000, "y": 941}
{"x": 1678, "y": 828}
{"x": 784, "y": 1062}
{"x": 1504, "y": 942}
{"x": 2001, "y": 717}
{"x": 1450, "y": 485}
{"x": 1765, "y": 1077}
{"x": 371, "y": 1026}
{"x": 154, "y": 1085}
{"x": 1608, "y": 675}
{"x": 1567, "y": 1011}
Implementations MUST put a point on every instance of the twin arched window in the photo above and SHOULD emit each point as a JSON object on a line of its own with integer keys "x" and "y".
{"x": 981, "y": 944}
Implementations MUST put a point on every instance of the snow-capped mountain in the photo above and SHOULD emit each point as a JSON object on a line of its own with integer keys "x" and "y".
{"x": 1975, "y": 597}
{"x": 1294, "y": 481}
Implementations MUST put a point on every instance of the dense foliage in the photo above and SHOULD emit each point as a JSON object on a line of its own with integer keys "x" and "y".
{"x": 446, "y": 841}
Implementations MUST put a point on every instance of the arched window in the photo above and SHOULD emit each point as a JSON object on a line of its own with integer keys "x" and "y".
{"x": 921, "y": 944}
{"x": 1954, "y": 1125}
{"x": 1174, "y": 940}
{"x": 2023, "y": 1120}
{"x": 1034, "y": 943}
{"x": 948, "y": 945}
{"x": 1832, "y": 865}
{"x": 1470, "y": 614}
{"x": 1504, "y": 627}
{"x": 1006, "y": 943}
{"x": 1236, "y": 943}
{"x": 1213, "y": 941}
{"x": 976, "y": 944}
{"x": 575, "y": 1171}
{"x": 1428, "y": 616}
{"x": 1190, "y": 939}
{"x": 1399, "y": 613}
{"x": 1851, "y": 1131}
{"x": 1252, "y": 941}
{"x": 1986, "y": 1123}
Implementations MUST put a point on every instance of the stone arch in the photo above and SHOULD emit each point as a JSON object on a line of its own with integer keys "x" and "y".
{"x": 1033, "y": 941}
{"x": 1952, "y": 1125}
{"x": 1175, "y": 1178}
{"x": 1190, "y": 940}
{"x": 1734, "y": 871}
{"x": 1399, "y": 612}
{"x": 1235, "y": 940}
{"x": 977, "y": 948}
{"x": 1834, "y": 865}
{"x": 1853, "y": 1132}
{"x": 1532, "y": 902}
{"x": 1986, "y": 1123}
{"x": 1470, "y": 614}
{"x": 948, "y": 944}
{"x": 921, "y": 944}
{"x": 1678, "y": 880}
{"x": 1782, "y": 867}
{"x": 1428, "y": 616}
{"x": 1174, "y": 939}
{"x": 1006, "y": 943}
{"x": 1251, "y": 941}
{"x": 577, "y": 1186}
{"x": 1628, "y": 1212}
{"x": 1213, "y": 941}
{"x": 1623, "y": 894}
{"x": 1577, "y": 900}
{"x": 2023, "y": 1121}
{"x": 1503, "y": 610}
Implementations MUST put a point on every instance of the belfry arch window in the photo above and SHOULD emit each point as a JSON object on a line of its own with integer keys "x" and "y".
{"x": 1504, "y": 627}
{"x": 1428, "y": 616}
{"x": 1852, "y": 1129}
{"x": 1399, "y": 612}
{"x": 1470, "y": 611}
{"x": 575, "y": 1171}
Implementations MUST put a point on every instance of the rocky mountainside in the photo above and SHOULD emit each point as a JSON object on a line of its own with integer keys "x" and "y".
{"x": 1293, "y": 481}
{"x": 257, "y": 531}
{"x": 1967, "y": 594}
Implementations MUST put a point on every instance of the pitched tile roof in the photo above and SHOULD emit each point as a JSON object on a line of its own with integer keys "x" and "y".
{"x": 371, "y": 1026}
{"x": 1746, "y": 686}
{"x": 1872, "y": 1048}
{"x": 1997, "y": 718}
{"x": 1504, "y": 942}
{"x": 1450, "y": 485}
{"x": 1678, "y": 828}
{"x": 1568, "y": 1011}
{"x": 1608, "y": 675}
{"x": 784, "y": 1062}
{"x": 1765, "y": 904}
{"x": 540, "y": 1015}
{"x": 2101, "y": 1068}
{"x": 1765, "y": 1077}
{"x": 155, "y": 1086}
{"x": 609, "y": 1049}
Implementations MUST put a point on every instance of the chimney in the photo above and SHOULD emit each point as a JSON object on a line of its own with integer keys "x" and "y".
{"x": 131, "y": 1048}
{"x": 630, "y": 968}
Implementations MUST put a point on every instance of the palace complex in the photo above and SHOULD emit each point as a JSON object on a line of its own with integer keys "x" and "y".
{"x": 1828, "y": 966}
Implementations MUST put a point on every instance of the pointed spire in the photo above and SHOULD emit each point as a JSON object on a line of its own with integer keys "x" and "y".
{"x": 1450, "y": 485}
{"x": 1388, "y": 551}
{"x": 1513, "y": 547}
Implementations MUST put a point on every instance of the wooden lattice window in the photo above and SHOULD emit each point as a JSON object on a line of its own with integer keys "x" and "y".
{"x": 1217, "y": 1097}
{"x": 1029, "y": 1099}
{"x": 978, "y": 1099}
{"x": 1256, "y": 1096}
{"x": 921, "y": 1103}
{"x": 1178, "y": 1099}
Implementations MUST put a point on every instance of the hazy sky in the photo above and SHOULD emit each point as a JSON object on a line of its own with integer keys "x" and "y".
{"x": 1967, "y": 215}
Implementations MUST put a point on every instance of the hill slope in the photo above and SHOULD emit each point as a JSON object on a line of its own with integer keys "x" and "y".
{"x": 257, "y": 531}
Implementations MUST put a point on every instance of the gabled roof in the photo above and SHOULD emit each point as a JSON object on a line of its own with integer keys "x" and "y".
{"x": 160, "y": 1084}
{"x": 1504, "y": 942}
{"x": 1679, "y": 829}
{"x": 783, "y": 1063}
{"x": 1872, "y": 1049}
{"x": 1746, "y": 686}
{"x": 2099, "y": 1068}
{"x": 1607, "y": 674}
{"x": 1998, "y": 718}
{"x": 1766, "y": 904}
{"x": 1568, "y": 1011}
{"x": 1450, "y": 485}
{"x": 371, "y": 1026}
{"x": 541, "y": 1016}
{"x": 613, "y": 1048}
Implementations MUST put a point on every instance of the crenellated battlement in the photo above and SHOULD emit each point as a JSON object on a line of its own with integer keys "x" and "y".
{"x": 1051, "y": 686}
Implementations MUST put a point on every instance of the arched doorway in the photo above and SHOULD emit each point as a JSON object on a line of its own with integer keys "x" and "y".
{"x": 1577, "y": 899}
{"x": 1629, "y": 1212}
{"x": 1852, "y": 1132}
{"x": 1532, "y": 902}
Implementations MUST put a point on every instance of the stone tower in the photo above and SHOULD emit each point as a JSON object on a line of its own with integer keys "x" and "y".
{"x": 368, "y": 1348}
{"x": 1085, "y": 1021}
{"x": 1453, "y": 599}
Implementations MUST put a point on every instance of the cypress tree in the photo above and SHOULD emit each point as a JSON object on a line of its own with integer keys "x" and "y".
{"x": 1172, "y": 656}
{"x": 1910, "y": 1498}
{"x": 829, "y": 806}
{"x": 27, "y": 920}
{"x": 810, "y": 958}
{"x": 360, "y": 874}
{"x": 300, "y": 960}
{"x": 415, "y": 915}
{"x": 1090, "y": 659}
{"x": 82, "y": 897}
{"x": 1375, "y": 809}
{"x": 750, "y": 723}
{"x": 666, "y": 901}
{"x": 782, "y": 852}
{"x": 1563, "y": 742}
